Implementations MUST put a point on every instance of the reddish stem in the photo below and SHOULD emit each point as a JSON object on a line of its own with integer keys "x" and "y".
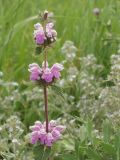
{"x": 46, "y": 106}
{"x": 45, "y": 59}
{"x": 45, "y": 94}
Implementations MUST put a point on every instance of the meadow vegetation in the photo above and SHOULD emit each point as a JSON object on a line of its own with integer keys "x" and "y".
{"x": 87, "y": 97}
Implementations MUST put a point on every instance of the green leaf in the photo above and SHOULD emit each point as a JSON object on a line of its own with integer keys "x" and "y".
{"x": 117, "y": 145}
{"x": 41, "y": 152}
{"x": 38, "y": 152}
{"x": 38, "y": 50}
{"x": 83, "y": 133}
{"x": 79, "y": 150}
{"x": 89, "y": 127}
{"x": 77, "y": 147}
{"x": 117, "y": 140}
{"x": 108, "y": 148}
{"x": 106, "y": 130}
{"x": 93, "y": 154}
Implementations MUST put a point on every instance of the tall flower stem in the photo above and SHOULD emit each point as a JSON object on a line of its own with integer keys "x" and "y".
{"x": 46, "y": 106}
{"x": 45, "y": 94}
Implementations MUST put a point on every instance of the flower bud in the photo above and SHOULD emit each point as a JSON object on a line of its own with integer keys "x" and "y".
{"x": 96, "y": 11}
{"x": 45, "y": 15}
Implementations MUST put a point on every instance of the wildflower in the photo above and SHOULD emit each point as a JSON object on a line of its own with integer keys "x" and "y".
{"x": 39, "y": 34}
{"x": 69, "y": 50}
{"x": 56, "y": 68}
{"x": 73, "y": 72}
{"x": 50, "y": 32}
{"x": 35, "y": 71}
{"x": 45, "y": 74}
{"x": 48, "y": 132}
{"x": 39, "y": 133}
{"x": 45, "y": 35}
{"x": 96, "y": 11}
{"x": 38, "y": 26}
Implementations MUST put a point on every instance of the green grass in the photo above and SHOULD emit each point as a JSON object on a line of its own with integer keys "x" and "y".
{"x": 88, "y": 105}
{"x": 74, "y": 21}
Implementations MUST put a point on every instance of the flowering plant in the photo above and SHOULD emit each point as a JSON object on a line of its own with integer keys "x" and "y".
{"x": 44, "y": 35}
{"x": 45, "y": 75}
{"x": 48, "y": 132}
{"x": 39, "y": 133}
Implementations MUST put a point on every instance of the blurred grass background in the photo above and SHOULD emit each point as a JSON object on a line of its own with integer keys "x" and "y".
{"x": 74, "y": 21}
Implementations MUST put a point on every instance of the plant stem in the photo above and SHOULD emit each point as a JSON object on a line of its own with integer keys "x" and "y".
{"x": 45, "y": 94}
{"x": 46, "y": 106}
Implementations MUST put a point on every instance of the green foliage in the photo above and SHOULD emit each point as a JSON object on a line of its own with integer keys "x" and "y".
{"x": 91, "y": 34}
{"x": 58, "y": 90}
{"x": 41, "y": 153}
{"x": 88, "y": 96}
{"x": 85, "y": 104}
{"x": 38, "y": 50}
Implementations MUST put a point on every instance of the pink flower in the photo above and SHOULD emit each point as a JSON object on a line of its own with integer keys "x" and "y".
{"x": 50, "y": 32}
{"x": 38, "y": 123}
{"x": 52, "y": 124}
{"x": 42, "y": 135}
{"x": 56, "y": 68}
{"x": 39, "y": 34}
{"x": 34, "y": 137}
{"x": 49, "y": 140}
{"x": 39, "y": 133}
{"x": 47, "y": 75}
{"x": 39, "y": 37}
{"x": 49, "y": 25}
{"x": 35, "y": 71}
{"x": 38, "y": 26}
{"x": 56, "y": 135}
